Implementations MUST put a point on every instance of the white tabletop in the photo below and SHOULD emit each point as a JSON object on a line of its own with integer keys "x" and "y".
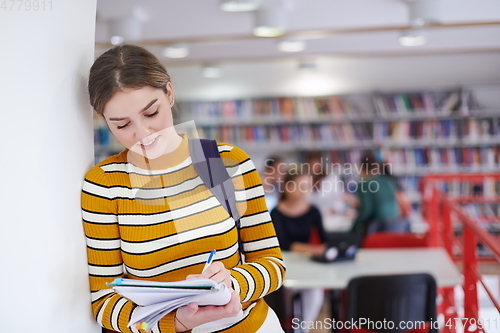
{"x": 301, "y": 272}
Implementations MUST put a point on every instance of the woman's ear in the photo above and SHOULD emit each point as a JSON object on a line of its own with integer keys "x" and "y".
{"x": 170, "y": 93}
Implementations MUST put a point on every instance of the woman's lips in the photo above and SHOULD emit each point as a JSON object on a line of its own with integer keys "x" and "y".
{"x": 150, "y": 144}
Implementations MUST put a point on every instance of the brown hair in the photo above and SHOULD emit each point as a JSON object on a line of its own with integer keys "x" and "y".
{"x": 124, "y": 66}
{"x": 291, "y": 174}
{"x": 316, "y": 155}
{"x": 369, "y": 162}
{"x": 272, "y": 161}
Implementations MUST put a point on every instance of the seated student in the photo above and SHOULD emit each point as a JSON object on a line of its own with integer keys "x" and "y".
{"x": 329, "y": 194}
{"x": 274, "y": 170}
{"x": 404, "y": 203}
{"x": 378, "y": 207}
{"x": 295, "y": 219}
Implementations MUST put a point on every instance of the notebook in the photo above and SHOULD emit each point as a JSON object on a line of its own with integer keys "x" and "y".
{"x": 341, "y": 246}
{"x": 156, "y": 299}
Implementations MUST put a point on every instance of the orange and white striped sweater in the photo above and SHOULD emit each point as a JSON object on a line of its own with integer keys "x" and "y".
{"x": 160, "y": 224}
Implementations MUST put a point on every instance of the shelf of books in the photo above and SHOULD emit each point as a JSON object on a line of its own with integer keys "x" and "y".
{"x": 478, "y": 195}
{"x": 416, "y": 132}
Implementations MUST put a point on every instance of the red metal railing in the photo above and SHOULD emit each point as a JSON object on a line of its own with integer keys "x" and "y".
{"x": 441, "y": 212}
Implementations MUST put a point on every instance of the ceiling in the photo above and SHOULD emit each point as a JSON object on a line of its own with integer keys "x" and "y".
{"x": 361, "y": 32}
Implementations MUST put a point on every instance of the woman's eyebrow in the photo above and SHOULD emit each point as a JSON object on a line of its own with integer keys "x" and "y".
{"x": 144, "y": 109}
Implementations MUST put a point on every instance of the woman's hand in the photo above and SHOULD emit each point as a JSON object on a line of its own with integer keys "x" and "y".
{"x": 318, "y": 250}
{"x": 217, "y": 272}
{"x": 192, "y": 315}
{"x": 308, "y": 249}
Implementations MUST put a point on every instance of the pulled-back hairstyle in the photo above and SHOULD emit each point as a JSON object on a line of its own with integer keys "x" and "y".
{"x": 290, "y": 176}
{"x": 124, "y": 66}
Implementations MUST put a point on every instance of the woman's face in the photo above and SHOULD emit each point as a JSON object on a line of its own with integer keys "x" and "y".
{"x": 300, "y": 187}
{"x": 141, "y": 119}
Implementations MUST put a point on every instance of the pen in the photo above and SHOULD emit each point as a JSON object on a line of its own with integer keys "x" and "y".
{"x": 209, "y": 260}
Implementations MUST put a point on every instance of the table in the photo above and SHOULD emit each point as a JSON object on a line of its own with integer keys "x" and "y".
{"x": 301, "y": 272}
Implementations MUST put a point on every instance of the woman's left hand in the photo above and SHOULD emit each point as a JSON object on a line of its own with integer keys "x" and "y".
{"x": 217, "y": 272}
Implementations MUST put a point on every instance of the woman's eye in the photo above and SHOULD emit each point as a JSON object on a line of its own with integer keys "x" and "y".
{"x": 122, "y": 126}
{"x": 152, "y": 114}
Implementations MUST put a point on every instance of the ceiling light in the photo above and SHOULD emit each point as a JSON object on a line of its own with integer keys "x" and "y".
{"x": 117, "y": 40}
{"x": 176, "y": 51}
{"x": 269, "y": 22}
{"x": 423, "y": 12}
{"x": 212, "y": 72}
{"x": 239, "y": 5}
{"x": 291, "y": 45}
{"x": 412, "y": 37}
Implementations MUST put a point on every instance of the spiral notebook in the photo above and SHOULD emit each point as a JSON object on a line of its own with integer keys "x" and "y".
{"x": 156, "y": 299}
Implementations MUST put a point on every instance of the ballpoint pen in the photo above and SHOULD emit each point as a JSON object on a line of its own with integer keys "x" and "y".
{"x": 209, "y": 260}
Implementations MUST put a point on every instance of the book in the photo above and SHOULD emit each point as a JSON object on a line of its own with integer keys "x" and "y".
{"x": 156, "y": 299}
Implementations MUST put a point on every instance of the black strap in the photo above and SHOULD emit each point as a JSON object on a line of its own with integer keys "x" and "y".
{"x": 211, "y": 169}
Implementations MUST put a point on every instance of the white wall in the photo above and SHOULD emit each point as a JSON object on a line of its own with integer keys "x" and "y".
{"x": 47, "y": 145}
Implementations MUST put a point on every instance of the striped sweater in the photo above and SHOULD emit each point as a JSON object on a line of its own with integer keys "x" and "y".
{"x": 160, "y": 224}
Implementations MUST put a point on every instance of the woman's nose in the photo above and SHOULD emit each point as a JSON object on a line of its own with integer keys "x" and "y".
{"x": 142, "y": 132}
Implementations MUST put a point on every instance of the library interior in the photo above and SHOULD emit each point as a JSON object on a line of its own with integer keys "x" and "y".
{"x": 316, "y": 87}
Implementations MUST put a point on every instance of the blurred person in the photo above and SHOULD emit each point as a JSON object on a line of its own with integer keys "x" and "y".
{"x": 378, "y": 208}
{"x": 273, "y": 173}
{"x": 404, "y": 203}
{"x": 295, "y": 221}
{"x": 329, "y": 194}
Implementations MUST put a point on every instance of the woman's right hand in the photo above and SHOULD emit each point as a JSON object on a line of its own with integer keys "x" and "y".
{"x": 192, "y": 315}
{"x": 318, "y": 250}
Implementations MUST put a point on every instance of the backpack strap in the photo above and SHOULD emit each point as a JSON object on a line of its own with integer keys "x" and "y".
{"x": 209, "y": 166}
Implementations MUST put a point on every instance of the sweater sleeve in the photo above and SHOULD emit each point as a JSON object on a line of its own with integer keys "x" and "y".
{"x": 100, "y": 223}
{"x": 263, "y": 270}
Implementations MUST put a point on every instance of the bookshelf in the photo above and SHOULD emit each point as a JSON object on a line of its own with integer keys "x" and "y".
{"x": 418, "y": 132}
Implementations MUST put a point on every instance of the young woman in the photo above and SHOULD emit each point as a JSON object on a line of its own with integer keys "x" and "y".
{"x": 148, "y": 215}
{"x": 295, "y": 220}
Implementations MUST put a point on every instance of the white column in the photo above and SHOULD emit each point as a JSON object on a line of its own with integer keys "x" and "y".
{"x": 47, "y": 48}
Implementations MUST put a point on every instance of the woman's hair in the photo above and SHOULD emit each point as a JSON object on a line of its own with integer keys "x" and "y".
{"x": 291, "y": 174}
{"x": 369, "y": 162}
{"x": 124, "y": 66}
{"x": 272, "y": 162}
{"x": 316, "y": 156}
